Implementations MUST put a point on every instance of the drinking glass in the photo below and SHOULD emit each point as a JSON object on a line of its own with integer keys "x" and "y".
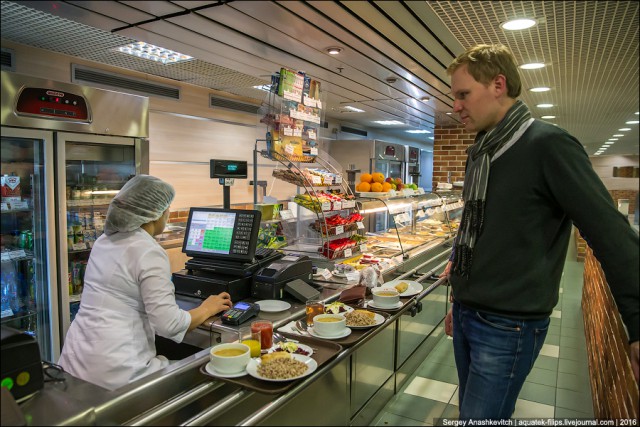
{"x": 265, "y": 328}
{"x": 313, "y": 308}
{"x": 252, "y": 339}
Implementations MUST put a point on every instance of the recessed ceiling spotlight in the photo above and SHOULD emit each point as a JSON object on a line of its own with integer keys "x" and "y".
{"x": 532, "y": 65}
{"x": 632, "y": 122}
{"x": 519, "y": 24}
{"x": 548, "y": 117}
{"x": 334, "y": 50}
{"x": 425, "y": 99}
{"x": 448, "y": 113}
{"x": 540, "y": 89}
{"x": 544, "y": 105}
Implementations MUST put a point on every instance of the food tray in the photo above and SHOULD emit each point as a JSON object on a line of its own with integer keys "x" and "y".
{"x": 355, "y": 335}
{"x": 323, "y": 351}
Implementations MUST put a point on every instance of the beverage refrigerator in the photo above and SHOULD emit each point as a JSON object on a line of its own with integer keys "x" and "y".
{"x": 71, "y": 148}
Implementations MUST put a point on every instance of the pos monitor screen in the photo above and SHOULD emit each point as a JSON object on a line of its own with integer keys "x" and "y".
{"x": 222, "y": 234}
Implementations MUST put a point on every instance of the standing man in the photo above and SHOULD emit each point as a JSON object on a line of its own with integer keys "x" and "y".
{"x": 526, "y": 182}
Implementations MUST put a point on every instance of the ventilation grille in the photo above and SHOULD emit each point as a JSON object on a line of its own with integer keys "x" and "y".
{"x": 353, "y": 130}
{"x": 122, "y": 83}
{"x": 216, "y": 102}
{"x": 8, "y": 60}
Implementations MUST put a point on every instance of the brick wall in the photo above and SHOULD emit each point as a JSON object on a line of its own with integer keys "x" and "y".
{"x": 630, "y": 195}
{"x": 581, "y": 246}
{"x": 613, "y": 387}
{"x": 449, "y": 153}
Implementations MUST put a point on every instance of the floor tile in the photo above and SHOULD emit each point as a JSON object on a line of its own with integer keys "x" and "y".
{"x": 389, "y": 419}
{"x": 573, "y": 367}
{"x": 573, "y": 400}
{"x": 431, "y": 389}
{"x": 573, "y": 382}
{"x": 577, "y": 343}
{"x": 573, "y": 354}
{"x": 451, "y": 412}
{"x": 556, "y": 314}
{"x": 553, "y": 339}
{"x": 437, "y": 371}
{"x": 571, "y": 332}
{"x": 546, "y": 362}
{"x": 543, "y": 376}
{"x": 527, "y": 409}
{"x": 550, "y": 350}
{"x": 416, "y": 408}
{"x": 538, "y": 393}
{"x": 568, "y": 413}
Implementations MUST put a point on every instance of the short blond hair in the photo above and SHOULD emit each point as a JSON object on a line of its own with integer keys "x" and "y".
{"x": 485, "y": 61}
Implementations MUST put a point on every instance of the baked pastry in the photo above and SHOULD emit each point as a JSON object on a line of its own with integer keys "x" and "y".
{"x": 402, "y": 286}
{"x": 275, "y": 355}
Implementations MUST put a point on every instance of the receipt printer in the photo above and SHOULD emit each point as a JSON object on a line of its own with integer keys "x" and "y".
{"x": 270, "y": 281}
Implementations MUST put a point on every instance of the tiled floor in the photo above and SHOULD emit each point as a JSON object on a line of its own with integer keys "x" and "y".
{"x": 558, "y": 385}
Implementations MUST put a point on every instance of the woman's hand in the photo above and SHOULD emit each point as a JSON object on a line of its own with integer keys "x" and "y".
{"x": 213, "y": 305}
{"x": 447, "y": 271}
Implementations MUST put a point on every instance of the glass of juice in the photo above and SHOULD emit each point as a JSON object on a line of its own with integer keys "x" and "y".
{"x": 265, "y": 328}
{"x": 313, "y": 308}
{"x": 252, "y": 339}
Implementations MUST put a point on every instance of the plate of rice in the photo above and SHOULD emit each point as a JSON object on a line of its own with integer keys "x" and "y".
{"x": 281, "y": 366}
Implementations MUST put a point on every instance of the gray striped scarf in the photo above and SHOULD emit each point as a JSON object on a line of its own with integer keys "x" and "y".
{"x": 476, "y": 180}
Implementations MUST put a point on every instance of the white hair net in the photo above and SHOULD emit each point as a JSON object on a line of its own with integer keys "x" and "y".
{"x": 141, "y": 200}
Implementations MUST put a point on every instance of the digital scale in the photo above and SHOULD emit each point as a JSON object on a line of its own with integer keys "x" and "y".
{"x": 240, "y": 313}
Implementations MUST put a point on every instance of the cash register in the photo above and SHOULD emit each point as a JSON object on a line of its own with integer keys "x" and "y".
{"x": 222, "y": 244}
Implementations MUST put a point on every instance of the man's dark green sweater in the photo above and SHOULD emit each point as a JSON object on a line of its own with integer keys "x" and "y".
{"x": 536, "y": 189}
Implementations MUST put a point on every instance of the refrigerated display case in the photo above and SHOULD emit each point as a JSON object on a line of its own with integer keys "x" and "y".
{"x": 29, "y": 294}
{"x": 83, "y": 144}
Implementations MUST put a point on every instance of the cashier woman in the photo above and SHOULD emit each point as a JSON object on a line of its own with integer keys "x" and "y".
{"x": 128, "y": 295}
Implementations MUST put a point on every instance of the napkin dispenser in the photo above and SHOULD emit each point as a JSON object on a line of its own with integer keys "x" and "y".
{"x": 21, "y": 365}
{"x": 270, "y": 281}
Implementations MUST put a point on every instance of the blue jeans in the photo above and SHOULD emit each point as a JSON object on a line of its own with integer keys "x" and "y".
{"x": 494, "y": 355}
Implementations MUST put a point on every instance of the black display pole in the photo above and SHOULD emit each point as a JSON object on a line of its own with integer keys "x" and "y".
{"x": 226, "y": 194}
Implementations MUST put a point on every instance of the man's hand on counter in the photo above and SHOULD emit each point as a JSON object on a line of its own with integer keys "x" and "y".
{"x": 213, "y": 305}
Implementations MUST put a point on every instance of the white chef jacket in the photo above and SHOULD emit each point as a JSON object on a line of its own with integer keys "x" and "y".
{"x": 128, "y": 297}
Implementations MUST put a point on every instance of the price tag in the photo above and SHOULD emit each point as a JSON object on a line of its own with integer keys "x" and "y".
{"x": 403, "y": 217}
{"x": 6, "y": 256}
{"x": 420, "y": 190}
{"x": 340, "y": 229}
{"x": 319, "y": 104}
{"x": 392, "y": 193}
{"x": 316, "y": 180}
{"x": 289, "y": 149}
{"x": 314, "y": 151}
{"x": 337, "y": 206}
{"x": 420, "y": 213}
{"x": 346, "y": 204}
{"x": 360, "y": 225}
{"x": 407, "y": 191}
{"x": 363, "y": 248}
{"x": 338, "y": 179}
{"x": 18, "y": 254}
{"x": 326, "y": 273}
{"x": 20, "y": 205}
{"x": 4, "y": 206}
{"x": 384, "y": 264}
{"x": 297, "y": 132}
{"x": 288, "y": 131}
{"x": 326, "y": 206}
{"x": 353, "y": 276}
{"x": 79, "y": 246}
{"x": 286, "y": 214}
{"x": 348, "y": 253}
{"x": 312, "y": 134}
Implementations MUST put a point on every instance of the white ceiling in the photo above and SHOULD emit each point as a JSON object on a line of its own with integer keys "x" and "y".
{"x": 591, "y": 48}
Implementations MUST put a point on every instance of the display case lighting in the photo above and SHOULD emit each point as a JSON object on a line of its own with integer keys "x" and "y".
{"x": 388, "y": 122}
{"x": 418, "y": 131}
{"x": 354, "y": 109}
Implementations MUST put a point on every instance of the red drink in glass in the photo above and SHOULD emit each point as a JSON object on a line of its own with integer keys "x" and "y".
{"x": 265, "y": 327}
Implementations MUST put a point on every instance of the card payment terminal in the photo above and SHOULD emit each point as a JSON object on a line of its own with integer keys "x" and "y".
{"x": 240, "y": 312}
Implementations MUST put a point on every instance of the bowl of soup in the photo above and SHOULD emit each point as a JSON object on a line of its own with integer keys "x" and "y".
{"x": 329, "y": 325}
{"x": 230, "y": 358}
{"x": 385, "y": 297}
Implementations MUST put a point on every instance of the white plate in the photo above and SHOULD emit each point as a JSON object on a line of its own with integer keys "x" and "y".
{"x": 273, "y": 305}
{"x": 302, "y": 346}
{"x": 210, "y": 369}
{"x": 413, "y": 289}
{"x": 378, "y": 318}
{"x": 345, "y": 333}
{"x": 338, "y": 274}
{"x": 395, "y": 307}
{"x": 312, "y": 365}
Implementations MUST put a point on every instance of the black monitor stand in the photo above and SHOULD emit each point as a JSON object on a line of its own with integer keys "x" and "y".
{"x": 226, "y": 194}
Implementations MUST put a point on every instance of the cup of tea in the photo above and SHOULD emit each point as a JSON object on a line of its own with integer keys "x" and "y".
{"x": 265, "y": 328}
{"x": 230, "y": 358}
{"x": 313, "y": 308}
{"x": 385, "y": 297}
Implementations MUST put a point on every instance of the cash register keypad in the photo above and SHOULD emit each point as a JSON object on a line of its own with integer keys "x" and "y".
{"x": 243, "y": 233}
